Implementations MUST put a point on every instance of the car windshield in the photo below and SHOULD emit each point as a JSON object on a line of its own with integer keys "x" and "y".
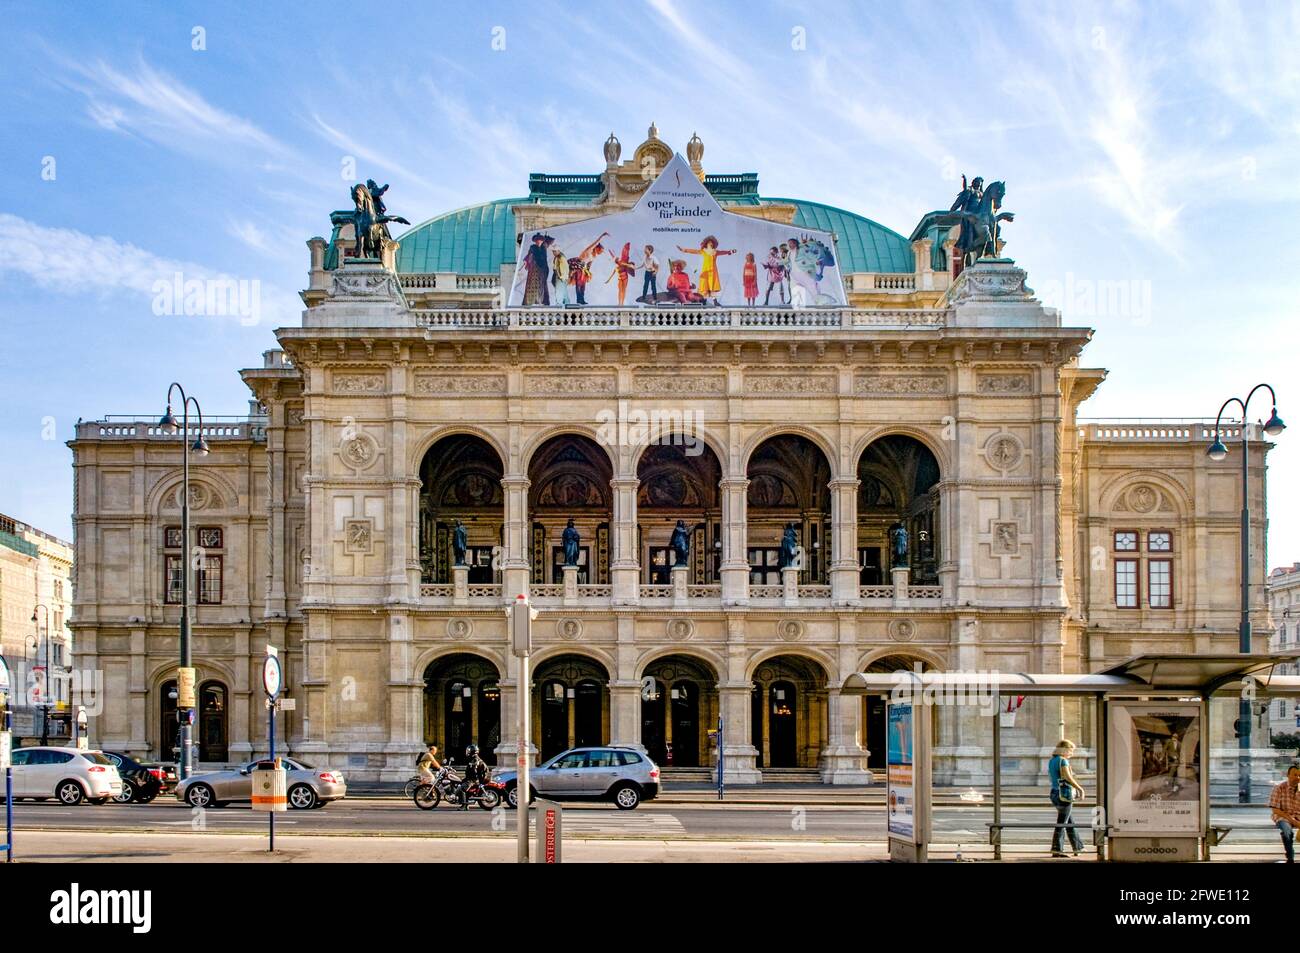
{"x": 96, "y": 757}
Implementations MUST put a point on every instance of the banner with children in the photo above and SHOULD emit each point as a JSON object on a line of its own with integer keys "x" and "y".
{"x": 677, "y": 248}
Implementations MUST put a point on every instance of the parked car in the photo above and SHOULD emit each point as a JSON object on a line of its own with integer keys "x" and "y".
{"x": 65, "y": 773}
{"x": 139, "y": 784}
{"x": 622, "y": 774}
{"x": 307, "y": 787}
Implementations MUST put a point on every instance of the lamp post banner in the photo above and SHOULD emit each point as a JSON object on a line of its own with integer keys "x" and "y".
{"x": 185, "y": 687}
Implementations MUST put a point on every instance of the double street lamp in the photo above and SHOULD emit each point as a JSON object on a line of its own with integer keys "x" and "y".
{"x": 1217, "y": 451}
{"x": 185, "y": 673}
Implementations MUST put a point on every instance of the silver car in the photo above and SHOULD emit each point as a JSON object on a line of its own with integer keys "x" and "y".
{"x": 307, "y": 787}
{"x": 622, "y": 774}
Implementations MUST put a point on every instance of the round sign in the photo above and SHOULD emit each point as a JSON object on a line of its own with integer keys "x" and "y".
{"x": 4, "y": 675}
{"x": 272, "y": 677}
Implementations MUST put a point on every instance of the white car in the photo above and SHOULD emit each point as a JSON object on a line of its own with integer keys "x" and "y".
{"x": 70, "y": 775}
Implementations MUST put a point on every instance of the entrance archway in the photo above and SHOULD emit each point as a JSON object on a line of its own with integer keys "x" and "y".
{"x": 211, "y": 722}
{"x": 788, "y": 476}
{"x": 569, "y": 478}
{"x": 460, "y": 479}
{"x": 789, "y": 712}
{"x": 570, "y": 704}
{"x": 678, "y": 709}
{"x": 898, "y": 483}
{"x": 462, "y": 706}
{"x": 678, "y": 481}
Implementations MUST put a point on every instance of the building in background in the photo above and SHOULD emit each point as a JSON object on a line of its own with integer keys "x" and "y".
{"x": 914, "y": 396}
{"x": 36, "y": 570}
{"x": 1284, "y": 609}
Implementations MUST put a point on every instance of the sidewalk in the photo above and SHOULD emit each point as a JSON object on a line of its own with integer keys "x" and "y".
{"x": 215, "y": 848}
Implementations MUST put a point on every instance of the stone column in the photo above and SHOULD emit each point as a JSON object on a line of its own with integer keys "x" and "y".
{"x": 460, "y": 585}
{"x": 738, "y": 752}
{"x": 625, "y": 561}
{"x": 844, "y": 575}
{"x": 625, "y": 712}
{"x": 900, "y": 575}
{"x": 735, "y": 560}
{"x": 570, "y": 585}
{"x": 514, "y": 565}
{"x": 843, "y": 760}
{"x": 790, "y": 585}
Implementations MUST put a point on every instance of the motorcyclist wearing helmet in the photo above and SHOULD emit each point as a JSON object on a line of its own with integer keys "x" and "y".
{"x": 476, "y": 772}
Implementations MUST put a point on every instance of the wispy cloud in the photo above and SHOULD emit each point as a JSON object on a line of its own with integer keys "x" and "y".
{"x": 153, "y": 104}
{"x": 70, "y": 262}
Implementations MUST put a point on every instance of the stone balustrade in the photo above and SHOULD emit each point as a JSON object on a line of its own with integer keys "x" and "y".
{"x": 632, "y": 318}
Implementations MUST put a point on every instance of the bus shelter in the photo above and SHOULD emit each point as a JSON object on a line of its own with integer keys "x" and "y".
{"x": 1152, "y": 736}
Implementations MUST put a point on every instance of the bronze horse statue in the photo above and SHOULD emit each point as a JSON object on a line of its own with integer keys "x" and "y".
{"x": 979, "y": 235}
{"x": 369, "y": 226}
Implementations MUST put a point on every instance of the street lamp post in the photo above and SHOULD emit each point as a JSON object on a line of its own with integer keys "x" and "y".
{"x": 45, "y": 687}
{"x": 1217, "y": 451}
{"x": 184, "y": 676}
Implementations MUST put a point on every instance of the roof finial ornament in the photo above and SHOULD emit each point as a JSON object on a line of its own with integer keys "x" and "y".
{"x": 613, "y": 149}
{"x": 654, "y": 131}
{"x": 695, "y": 149}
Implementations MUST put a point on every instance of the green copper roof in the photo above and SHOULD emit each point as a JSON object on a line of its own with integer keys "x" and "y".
{"x": 479, "y": 239}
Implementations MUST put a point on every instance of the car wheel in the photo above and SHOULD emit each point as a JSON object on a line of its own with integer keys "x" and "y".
{"x": 302, "y": 797}
{"x": 147, "y": 798}
{"x": 69, "y": 792}
{"x": 200, "y": 795}
{"x": 512, "y": 796}
{"x": 627, "y": 796}
{"x": 99, "y": 801}
{"x": 128, "y": 794}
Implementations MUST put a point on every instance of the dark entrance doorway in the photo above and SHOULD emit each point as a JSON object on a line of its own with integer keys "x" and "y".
{"x": 462, "y": 706}
{"x": 570, "y": 704}
{"x": 782, "y": 737}
{"x": 677, "y": 711}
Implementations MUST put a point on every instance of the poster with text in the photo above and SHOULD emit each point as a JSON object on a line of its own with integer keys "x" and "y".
{"x": 900, "y": 785}
{"x": 676, "y": 248}
{"x": 1155, "y": 768}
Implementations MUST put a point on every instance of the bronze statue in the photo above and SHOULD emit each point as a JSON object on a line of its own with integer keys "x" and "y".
{"x": 680, "y": 543}
{"x": 976, "y": 210}
{"x": 789, "y": 547}
{"x": 459, "y": 543}
{"x": 898, "y": 545}
{"x": 370, "y": 219}
{"x": 571, "y": 540}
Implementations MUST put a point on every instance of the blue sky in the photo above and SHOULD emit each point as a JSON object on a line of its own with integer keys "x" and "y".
{"x": 1155, "y": 145}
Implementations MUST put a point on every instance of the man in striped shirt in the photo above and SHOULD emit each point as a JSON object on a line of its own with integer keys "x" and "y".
{"x": 1285, "y": 802}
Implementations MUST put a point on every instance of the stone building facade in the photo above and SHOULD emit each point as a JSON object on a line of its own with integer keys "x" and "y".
{"x": 409, "y": 400}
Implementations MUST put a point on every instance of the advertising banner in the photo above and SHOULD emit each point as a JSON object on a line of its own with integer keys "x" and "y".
{"x": 899, "y": 772}
{"x": 1155, "y": 768}
{"x": 676, "y": 248}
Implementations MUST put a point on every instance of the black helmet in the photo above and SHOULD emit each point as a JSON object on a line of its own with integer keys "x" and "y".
{"x": 471, "y": 751}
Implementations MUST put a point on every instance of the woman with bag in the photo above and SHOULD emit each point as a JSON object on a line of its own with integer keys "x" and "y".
{"x": 1065, "y": 788}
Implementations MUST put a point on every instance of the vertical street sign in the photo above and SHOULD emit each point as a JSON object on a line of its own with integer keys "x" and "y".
{"x": 269, "y": 783}
{"x": 5, "y": 761}
{"x": 521, "y": 637}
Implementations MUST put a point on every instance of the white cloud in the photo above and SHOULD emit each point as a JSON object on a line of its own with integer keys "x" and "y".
{"x": 71, "y": 262}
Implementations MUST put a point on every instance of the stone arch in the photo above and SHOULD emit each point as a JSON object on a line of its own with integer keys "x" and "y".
{"x": 826, "y": 661}
{"x": 715, "y": 662}
{"x": 541, "y": 437}
{"x": 920, "y": 435}
{"x": 416, "y": 457}
{"x": 222, "y": 489}
{"x": 713, "y": 441}
{"x": 1116, "y": 487}
{"x": 431, "y": 655}
{"x": 603, "y": 658}
{"x": 824, "y": 443}
{"x": 932, "y": 659}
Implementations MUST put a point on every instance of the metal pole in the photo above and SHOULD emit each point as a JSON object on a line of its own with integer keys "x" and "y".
{"x": 45, "y": 689}
{"x": 997, "y": 775}
{"x": 523, "y": 691}
{"x": 270, "y": 705}
{"x": 187, "y": 754}
{"x": 1243, "y": 629}
{"x": 5, "y": 725}
{"x": 722, "y": 785}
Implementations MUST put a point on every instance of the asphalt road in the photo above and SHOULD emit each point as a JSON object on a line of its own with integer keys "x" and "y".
{"x": 393, "y": 816}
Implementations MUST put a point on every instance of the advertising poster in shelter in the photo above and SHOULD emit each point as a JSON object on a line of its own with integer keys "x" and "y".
{"x": 900, "y": 782}
{"x": 1155, "y": 768}
{"x": 676, "y": 248}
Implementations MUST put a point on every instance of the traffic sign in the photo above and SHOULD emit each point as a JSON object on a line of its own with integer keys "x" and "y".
{"x": 272, "y": 676}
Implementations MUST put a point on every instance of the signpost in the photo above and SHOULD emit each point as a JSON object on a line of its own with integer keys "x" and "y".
{"x": 521, "y": 635}
{"x": 83, "y": 736}
{"x": 269, "y": 785}
{"x": 550, "y": 832}
{"x": 6, "y": 763}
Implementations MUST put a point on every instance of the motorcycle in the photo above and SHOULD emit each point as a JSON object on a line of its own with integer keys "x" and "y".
{"x": 483, "y": 793}
{"x": 444, "y": 786}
